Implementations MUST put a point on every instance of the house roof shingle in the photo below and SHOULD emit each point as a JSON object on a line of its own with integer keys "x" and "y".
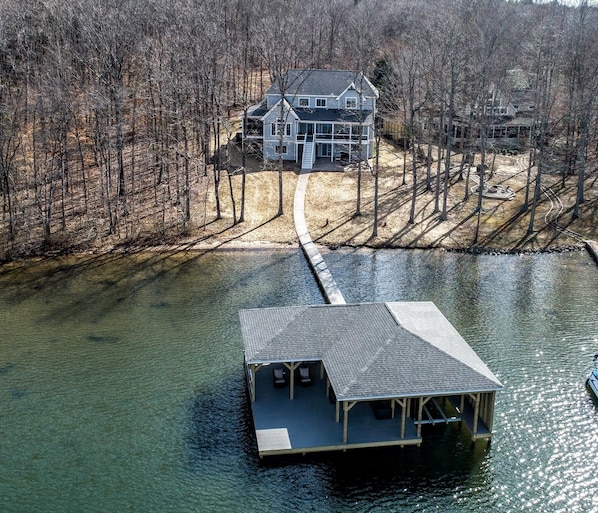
{"x": 322, "y": 82}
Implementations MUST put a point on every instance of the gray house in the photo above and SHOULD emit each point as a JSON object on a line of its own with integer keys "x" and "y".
{"x": 311, "y": 114}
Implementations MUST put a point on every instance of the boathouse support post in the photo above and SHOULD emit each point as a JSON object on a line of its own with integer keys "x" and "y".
{"x": 347, "y": 405}
{"x": 490, "y": 415}
{"x": 476, "y": 413}
{"x": 292, "y": 367}
{"x": 403, "y": 404}
{"x": 420, "y": 410}
{"x": 253, "y": 368}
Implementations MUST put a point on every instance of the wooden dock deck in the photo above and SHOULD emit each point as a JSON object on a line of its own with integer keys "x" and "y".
{"x": 307, "y": 423}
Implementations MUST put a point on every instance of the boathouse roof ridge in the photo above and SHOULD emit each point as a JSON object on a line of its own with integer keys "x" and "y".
{"x": 403, "y": 366}
{"x": 424, "y": 319}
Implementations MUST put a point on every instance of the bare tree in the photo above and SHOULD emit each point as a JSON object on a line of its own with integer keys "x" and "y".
{"x": 544, "y": 86}
{"x": 581, "y": 70}
{"x": 281, "y": 49}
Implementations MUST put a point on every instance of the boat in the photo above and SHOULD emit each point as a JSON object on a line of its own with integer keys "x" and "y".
{"x": 592, "y": 379}
{"x": 495, "y": 192}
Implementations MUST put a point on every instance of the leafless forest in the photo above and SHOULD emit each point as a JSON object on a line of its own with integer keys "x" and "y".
{"x": 112, "y": 112}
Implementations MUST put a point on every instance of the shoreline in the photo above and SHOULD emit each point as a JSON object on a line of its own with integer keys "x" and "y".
{"x": 502, "y": 227}
{"x": 264, "y": 245}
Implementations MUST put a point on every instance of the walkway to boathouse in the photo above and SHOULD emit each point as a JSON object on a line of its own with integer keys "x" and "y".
{"x": 332, "y": 293}
{"x": 592, "y": 247}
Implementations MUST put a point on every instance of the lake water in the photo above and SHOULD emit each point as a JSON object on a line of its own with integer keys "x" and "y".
{"x": 121, "y": 385}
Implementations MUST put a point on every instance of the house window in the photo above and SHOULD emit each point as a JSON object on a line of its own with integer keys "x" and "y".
{"x": 351, "y": 102}
{"x": 303, "y": 102}
{"x": 281, "y": 149}
{"x": 320, "y": 102}
{"x": 324, "y": 128}
{"x": 280, "y": 123}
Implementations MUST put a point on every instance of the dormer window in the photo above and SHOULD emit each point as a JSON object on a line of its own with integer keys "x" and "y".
{"x": 303, "y": 102}
{"x": 320, "y": 102}
{"x": 351, "y": 102}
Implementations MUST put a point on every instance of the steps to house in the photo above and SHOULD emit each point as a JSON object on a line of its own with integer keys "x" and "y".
{"x": 308, "y": 157}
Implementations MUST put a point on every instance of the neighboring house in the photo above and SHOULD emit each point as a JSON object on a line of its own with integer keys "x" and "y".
{"x": 309, "y": 114}
{"x": 508, "y": 119}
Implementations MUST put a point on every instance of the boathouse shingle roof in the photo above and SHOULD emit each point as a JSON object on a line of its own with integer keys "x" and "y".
{"x": 370, "y": 351}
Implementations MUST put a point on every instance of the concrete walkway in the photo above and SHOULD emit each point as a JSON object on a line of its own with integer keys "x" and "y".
{"x": 326, "y": 282}
{"x": 592, "y": 247}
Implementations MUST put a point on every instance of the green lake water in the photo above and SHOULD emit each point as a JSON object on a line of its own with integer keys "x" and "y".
{"x": 121, "y": 385}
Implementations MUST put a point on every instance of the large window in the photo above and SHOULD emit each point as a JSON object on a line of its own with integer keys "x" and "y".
{"x": 320, "y": 102}
{"x": 323, "y": 128}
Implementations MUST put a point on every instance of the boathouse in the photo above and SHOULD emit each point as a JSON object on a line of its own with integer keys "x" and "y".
{"x": 338, "y": 377}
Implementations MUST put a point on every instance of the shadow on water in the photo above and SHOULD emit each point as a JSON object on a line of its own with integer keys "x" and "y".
{"x": 445, "y": 462}
{"x": 218, "y": 425}
{"x": 106, "y": 283}
{"x": 6, "y": 368}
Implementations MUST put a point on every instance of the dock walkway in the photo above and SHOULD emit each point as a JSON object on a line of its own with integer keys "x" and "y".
{"x": 592, "y": 247}
{"x": 330, "y": 289}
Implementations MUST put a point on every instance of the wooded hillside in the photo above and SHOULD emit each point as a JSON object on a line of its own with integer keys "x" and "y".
{"x": 113, "y": 112}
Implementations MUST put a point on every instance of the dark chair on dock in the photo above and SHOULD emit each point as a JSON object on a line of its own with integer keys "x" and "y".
{"x": 382, "y": 409}
{"x": 304, "y": 375}
{"x": 279, "y": 376}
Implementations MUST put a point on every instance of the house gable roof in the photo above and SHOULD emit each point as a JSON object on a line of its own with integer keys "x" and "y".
{"x": 322, "y": 82}
{"x": 370, "y": 351}
{"x": 275, "y": 111}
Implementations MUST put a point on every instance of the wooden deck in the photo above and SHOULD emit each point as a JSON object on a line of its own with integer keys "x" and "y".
{"x": 307, "y": 422}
